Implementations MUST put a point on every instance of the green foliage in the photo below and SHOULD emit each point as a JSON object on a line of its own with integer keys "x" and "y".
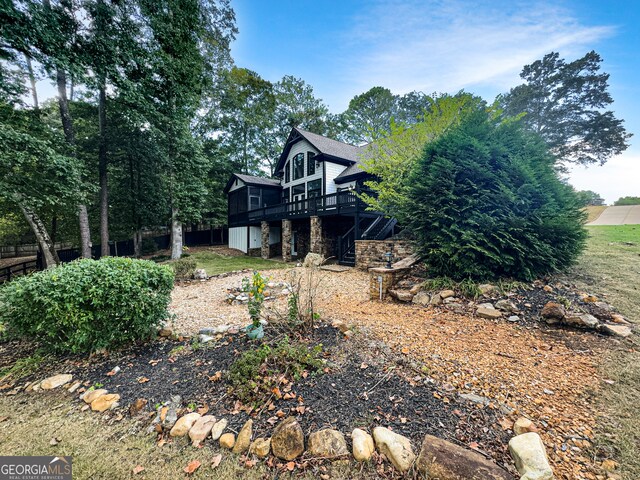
{"x": 484, "y": 202}
{"x": 627, "y": 201}
{"x": 254, "y": 287}
{"x": 390, "y": 159}
{"x": 256, "y": 373}
{"x": 149, "y": 246}
{"x": 467, "y": 288}
{"x": 87, "y": 305}
{"x": 23, "y": 367}
{"x": 564, "y": 103}
{"x": 589, "y": 198}
{"x": 184, "y": 267}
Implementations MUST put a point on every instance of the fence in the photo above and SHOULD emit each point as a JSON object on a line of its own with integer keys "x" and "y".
{"x": 7, "y": 273}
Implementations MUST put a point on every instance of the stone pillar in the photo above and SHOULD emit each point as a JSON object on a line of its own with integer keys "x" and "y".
{"x": 286, "y": 240}
{"x": 264, "y": 247}
{"x": 316, "y": 241}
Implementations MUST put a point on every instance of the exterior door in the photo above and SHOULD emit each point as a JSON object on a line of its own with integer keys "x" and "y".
{"x": 294, "y": 244}
{"x": 299, "y": 202}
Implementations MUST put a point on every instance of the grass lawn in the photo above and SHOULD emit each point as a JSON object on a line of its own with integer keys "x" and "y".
{"x": 215, "y": 263}
{"x": 610, "y": 268}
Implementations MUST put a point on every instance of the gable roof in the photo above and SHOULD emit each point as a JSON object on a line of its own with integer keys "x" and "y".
{"x": 252, "y": 181}
{"x": 324, "y": 145}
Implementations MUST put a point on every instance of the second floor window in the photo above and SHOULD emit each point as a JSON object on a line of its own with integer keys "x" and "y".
{"x": 298, "y": 166}
{"x": 311, "y": 164}
{"x": 287, "y": 175}
{"x": 255, "y": 198}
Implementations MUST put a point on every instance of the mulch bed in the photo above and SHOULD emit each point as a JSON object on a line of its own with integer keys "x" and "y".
{"x": 363, "y": 388}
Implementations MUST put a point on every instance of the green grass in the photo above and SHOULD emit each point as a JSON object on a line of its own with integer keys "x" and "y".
{"x": 610, "y": 268}
{"x": 22, "y": 368}
{"x": 214, "y": 263}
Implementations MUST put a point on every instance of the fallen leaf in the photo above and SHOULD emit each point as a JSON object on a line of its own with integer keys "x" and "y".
{"x": 290, "y": 466}
{"x": 192, "y": 466}
{"x": 506, "y": 424}
{"x": 301, "y": 409}
{"x": 405, "y": 350}
{"x": 216, "y": 376}
{"x": 143, "y": 379}
{"x": 280, "y": 414}
{"x": 215, "y": 461}
{"x": 161, "y": 442}
{"x": 203, "y": 409}
{"x": 363, "y": 366}
{"x": 276, "y": 391}
{"x": 137, "y": 469}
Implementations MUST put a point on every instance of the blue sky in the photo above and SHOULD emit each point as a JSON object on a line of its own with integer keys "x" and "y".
{"x": 343, "y": 48}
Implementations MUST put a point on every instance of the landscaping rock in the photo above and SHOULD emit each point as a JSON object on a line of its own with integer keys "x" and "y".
{"x": 327, "y": 443}
{"x": 472, "y": 397}
{"x": 524, "y": 425}
{"x": 447, "y": 293}
{"x": 530, "y": 457}
{"x": 401, "y": 295}
{"x": 616, "y": 329}
{"x": 105, "y": 402}
{"x": 218, "y": 428}
{"x": 201, "y": 429}
{"x": 202, "y": 338}
{"x": 165, "y": 332}
{"x": 506, "y": 306}
{"x": 486, "y": 288}
{"x": 395, "y": 447}
{"x": 490, "y": 313}
{"x": 74, "y": 387}
{"x": 581, "y": 320}
{"x": 243, "y": 442}
{"x": 260, "y": 447}
{"x": 513, "y": 318}
{"x": 553, "y": 312}
{"x": 287, "y": 441}
{"x": 416, "y": 288}
{"x": 435, "y": 299}
{"x": 91, "y": 395}
{"x": 200, "y": 274}
{"x": 313, "y": 260}
{"x": 617, "y": 318}
{"x": 227, "y": 440}
{"x": 55, "y": 381}
{"x": 184, "y": 424}
{"x": 422, "y": 298}
{"x": 363, "y": 446}
{"x": 446, "y": 461}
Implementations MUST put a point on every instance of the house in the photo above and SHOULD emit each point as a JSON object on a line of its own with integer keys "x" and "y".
{"x": 311, "y": 206}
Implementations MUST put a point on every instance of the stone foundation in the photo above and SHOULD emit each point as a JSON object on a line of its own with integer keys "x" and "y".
{"x": 370, "y": 253}
{"x": 316, "y": 241}
{"x": 265, "y": 251}
{"x": 286, "y": 240}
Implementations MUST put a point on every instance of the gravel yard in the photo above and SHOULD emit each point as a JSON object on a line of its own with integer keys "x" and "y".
{"x": 544, "y": 373}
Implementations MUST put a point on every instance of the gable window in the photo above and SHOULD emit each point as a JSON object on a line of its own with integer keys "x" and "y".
{"x": 255, "y": 198}
{"x": 298, "y": 166}
{"x": 287, "y": 174}
{"x": 314, "y": 188}
{"x": 311, "y": 164}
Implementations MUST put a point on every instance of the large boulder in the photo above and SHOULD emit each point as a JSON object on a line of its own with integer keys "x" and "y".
{"x": 527, "y": 451}
{"x": 363, "y": 446}
{"x": 327, "y": 443}
{"x": 395, "y": 447}
{"x": 446, "y": 461}
{"x": 287, "y": 441}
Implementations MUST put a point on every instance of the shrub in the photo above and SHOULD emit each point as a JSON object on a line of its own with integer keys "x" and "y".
{"x": 184, "y": 267}
{"x": 149, "y": 246}
{"x": 87, "y": 305}
{"x": 485, "y": 201}
{"x": 627, "y": 201}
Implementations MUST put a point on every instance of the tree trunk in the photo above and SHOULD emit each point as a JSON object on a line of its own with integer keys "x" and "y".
{"x": 137, "y": 243}
{"x": 85, "y": 236}
{"x": 32, "y": 81}
{"x": 49, "y": 254}
{"x": 176, "y": 235}
{"x": 102, "y": 170}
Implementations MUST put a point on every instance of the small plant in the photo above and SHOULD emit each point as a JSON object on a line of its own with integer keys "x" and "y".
{"x": 22, "y": 368}
{"x": 192, "y": 406}
{"x": 469, "y": 288}
{"x": 184, "y": 267}
{"x": 254, "y": 288}
{"x": 439, "y": 283}
{"x": 257, "y": 373}
{"x": 175, "y": 351}
{"x": 564, "y": 301}
{"x": 98, "y": 385}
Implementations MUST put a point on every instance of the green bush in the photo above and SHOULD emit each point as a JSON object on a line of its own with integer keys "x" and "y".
{"x": 627, "y": 201}
{"x": 87, "y": 305}
{"x": 485, "y": 201}
{"x": 149, "y": 246}
{"x": 184, "y": 267}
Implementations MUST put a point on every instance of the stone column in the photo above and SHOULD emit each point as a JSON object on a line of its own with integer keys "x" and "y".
{"x": 264, "y": 247}
{"x": 316, "y": 240}
{"x": 286, "y": 240}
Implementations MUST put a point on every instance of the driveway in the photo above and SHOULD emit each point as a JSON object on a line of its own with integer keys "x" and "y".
{"x": 624, "y": 215}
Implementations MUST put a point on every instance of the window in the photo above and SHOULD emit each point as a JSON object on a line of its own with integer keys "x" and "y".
{"x": 287, "y": 174}
{"x": 297, "y": 190}
{"x": 255, "y": 198}
{"x": 314, "y": 188}
{"x": 298, "y": 166}
{"x": 311, "y": 164}
{"x": 285, "y": 195}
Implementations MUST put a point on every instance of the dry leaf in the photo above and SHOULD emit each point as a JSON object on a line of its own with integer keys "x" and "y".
{"x": 216, "y": 376}
{"x": 290, "y": 466}
{"x": 161, "y": 442}
{"x": 363, "y": 366}
{"x": 276, "y": 391}
{"x": 192, "y": 466}
{"x": 203, "y": 409}
{"x": 137, "y": 469}
{"x": 143, "y": 379}
{"x": 506, "y": 424}
{"x": 215, "y": 461}
{"x": 405, "y": 350}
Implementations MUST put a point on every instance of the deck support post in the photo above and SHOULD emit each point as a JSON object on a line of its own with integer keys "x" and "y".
{"x": 286, "y": 240}
{"x": 264, "y": 246}
{"x": 316, "y": 236}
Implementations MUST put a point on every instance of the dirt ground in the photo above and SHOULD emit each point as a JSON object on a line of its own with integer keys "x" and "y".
{"x": 548, "y": 375}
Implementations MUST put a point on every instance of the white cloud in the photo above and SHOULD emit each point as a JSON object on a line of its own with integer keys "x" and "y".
{"x": 619, "y": 177}
{"x": 447, "y": 45}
